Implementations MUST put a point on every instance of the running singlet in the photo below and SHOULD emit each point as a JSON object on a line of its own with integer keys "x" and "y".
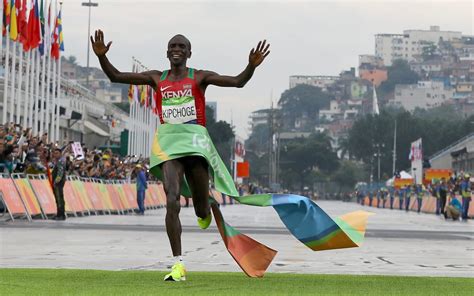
{"x": 180, "y": 101}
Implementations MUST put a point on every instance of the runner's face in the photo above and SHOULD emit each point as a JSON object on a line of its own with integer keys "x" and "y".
{"x": 178, "y": 51}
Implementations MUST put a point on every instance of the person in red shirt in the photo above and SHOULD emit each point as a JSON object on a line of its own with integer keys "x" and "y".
{"x": 180, "y": 100}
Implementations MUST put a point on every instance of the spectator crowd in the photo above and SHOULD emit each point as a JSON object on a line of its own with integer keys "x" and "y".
{"x": 453, "y": 196}
{"x": 23, "y": 152}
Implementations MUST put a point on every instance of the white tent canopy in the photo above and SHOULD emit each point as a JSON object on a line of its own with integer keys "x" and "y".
{"x": 405, "y": 175}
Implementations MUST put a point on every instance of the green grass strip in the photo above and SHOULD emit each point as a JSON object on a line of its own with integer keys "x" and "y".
{"x": 97, "y": 282}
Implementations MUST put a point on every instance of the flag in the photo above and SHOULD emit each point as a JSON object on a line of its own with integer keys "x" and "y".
{"x": 23, "y": 26}
{"x": 143, "y": 95}
{"x": 34, "y": 33}
{"x": 41, "y": 19}
{"x": 5, "y": 17}
{"x": 375, "y": 102}
{"x": 135, "y": 93}
{"x": 131, "y": 88}
{"x": 130, "y": 93}
{"x": 153, "y": 103}
{"x": 13, "y": 20}
{"x": 55, "y": 38}
{"x": 416, "y": 151}
{"x": 60, "y": 31}
{"x": 302, "y": 217}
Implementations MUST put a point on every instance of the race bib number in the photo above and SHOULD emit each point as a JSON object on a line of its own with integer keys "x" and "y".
{"x": 179, "y": 110}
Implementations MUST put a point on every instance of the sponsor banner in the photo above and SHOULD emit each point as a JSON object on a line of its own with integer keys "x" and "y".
{"x": 437, "y": 174}
{"x": 11, "y": 197}
{"x": 28, "y": 196}
{"x": 72, "y": 200}
{"x": 80, "y": 190}
{"x": 44, "y": 195}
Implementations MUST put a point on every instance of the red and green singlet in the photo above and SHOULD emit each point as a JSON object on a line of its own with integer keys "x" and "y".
{"x": 180, "y": 101}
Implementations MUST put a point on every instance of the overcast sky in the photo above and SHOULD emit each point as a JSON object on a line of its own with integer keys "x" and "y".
{"x": 306, "y": 37}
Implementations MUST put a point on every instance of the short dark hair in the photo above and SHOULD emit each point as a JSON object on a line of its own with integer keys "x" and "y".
{"x": 184, "y": 37}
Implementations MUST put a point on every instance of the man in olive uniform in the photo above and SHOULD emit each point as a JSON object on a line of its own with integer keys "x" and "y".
{"x": 59, "y": 179}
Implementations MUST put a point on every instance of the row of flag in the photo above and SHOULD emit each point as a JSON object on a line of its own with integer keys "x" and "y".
{"x": 142, "y": 94}
{"x": 143, "y": 116}
{"x": 34, "y": 31}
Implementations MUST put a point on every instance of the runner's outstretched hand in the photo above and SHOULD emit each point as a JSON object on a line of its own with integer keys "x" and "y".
{"x": 98, "y": 44}
{"x": 257, "y": 56}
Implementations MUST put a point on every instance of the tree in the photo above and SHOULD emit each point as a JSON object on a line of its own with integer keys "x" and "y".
{"x": 258, "y": 141}
{"x": 437, "y": 127}
{"x": 221, "y": 134}
{"x": 429, "y": 51}
{"x": 348, "y": 174}
{"x": 72, "y": 60}
{"x": 302, "y": 156}
{"x": 398, "y": 73}
{"x": 302, "y": 101}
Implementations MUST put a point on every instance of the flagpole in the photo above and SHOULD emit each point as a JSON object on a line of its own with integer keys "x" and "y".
{"x": 147, "y": 127}
{"x": 140, "y": 124}
{"x": 48, "y": 94}
{"x": 32, "y": 90}
{"x": 31, "y": 98}
{"x": 5, "y": 82}
{"x": 135, "y": 114}
{"x": 130, "y": 100}
{"x": 145, "y": 132}
{"x": 48, "y": 73}
{"x": 43, "y": 95}
{"x": 43, "y": 80}
{"x": 20, "y": 82}
{"x": 132, "y": 128}
{"x": 37, "y": 92}
{"x": 53, "y": 101}
{"x": 58, "y": 99}
{"x": 394, "y": 147}
{"x": 27, "y": 91}
{"x": 140, "y": 129}
{"x": 12, "y": 88}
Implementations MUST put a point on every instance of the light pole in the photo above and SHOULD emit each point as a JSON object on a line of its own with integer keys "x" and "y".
{"x": 89, "y": 4}
{"x": 378, "y": 154}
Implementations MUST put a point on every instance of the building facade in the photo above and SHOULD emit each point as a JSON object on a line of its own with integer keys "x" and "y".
{"x": 409, "y": 45}
{"x": 424, "y": 94}
{"x": 321, "y": 81}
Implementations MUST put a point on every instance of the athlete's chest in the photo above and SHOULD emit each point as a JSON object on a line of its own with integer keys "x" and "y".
{"x": 177, "y": 89}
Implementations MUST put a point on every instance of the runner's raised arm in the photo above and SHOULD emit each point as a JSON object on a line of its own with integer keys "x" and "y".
{"x": 100, "y": 49}
{"x": 256, "y": 57}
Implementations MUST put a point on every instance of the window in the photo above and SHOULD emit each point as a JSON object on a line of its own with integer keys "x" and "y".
{"x": 428, "y": 95}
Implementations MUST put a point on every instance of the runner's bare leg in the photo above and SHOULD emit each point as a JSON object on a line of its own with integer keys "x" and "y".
{"x": 173, "y": 173}
{"x": 197, "y": 175}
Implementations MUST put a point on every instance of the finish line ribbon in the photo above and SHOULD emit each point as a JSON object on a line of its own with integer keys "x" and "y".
{"x": 303, "y": 218}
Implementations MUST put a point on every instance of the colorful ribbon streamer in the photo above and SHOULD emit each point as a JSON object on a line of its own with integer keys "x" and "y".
{"x": 303, "y": 218}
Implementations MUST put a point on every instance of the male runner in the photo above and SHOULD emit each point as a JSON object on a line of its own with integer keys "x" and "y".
{"x": 180, "y": 99}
